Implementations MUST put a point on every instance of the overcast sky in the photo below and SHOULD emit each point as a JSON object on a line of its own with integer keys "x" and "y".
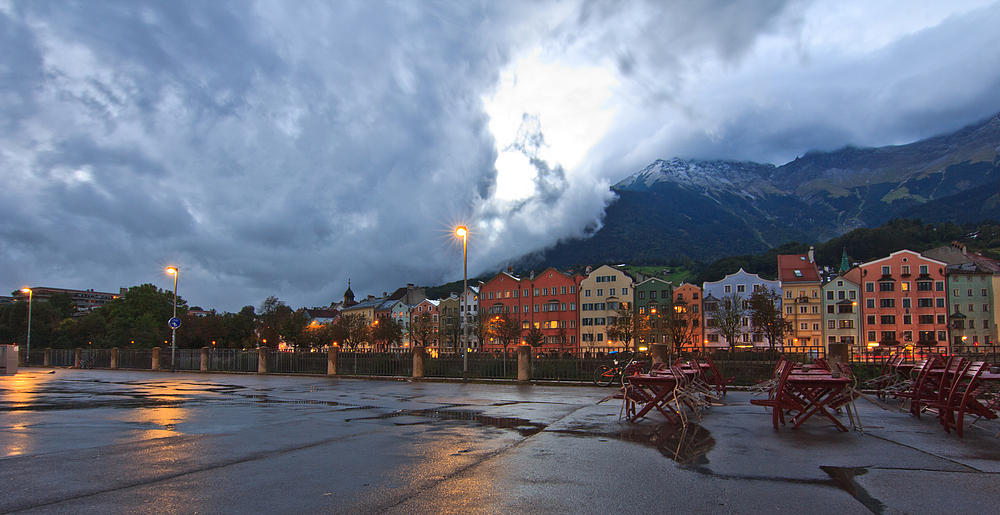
{"x": 282, "y": 148}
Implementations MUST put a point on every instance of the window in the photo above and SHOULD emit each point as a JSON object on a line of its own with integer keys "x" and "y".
{"x": 940, "y": 302}
{"x": 888, "y": 336}
{"x": 871, "y": 336}
{"x": 562, "y": 290}
{"x": 904, "y": 286}
{"x": 572, "y": 290}
{"x": 870, "y": 320}
{"x": 869, "y": 287}
{"x": 525, "y": 292}
{"x": 986, "y": 307}
{"x": 713, "y": 338}
{"x": 907, "y": 319}
{"x": 536, "y": 308}
{"x": 852, "y": 294}
{"x": 515, "y": 294}
{"x": 788, "y": 310}
{"x": 887, "y": 319}
{"x": 788, "y": 294}
{"x": 845, "y": 308}
{"x": 984, "y": 292}
{"x": 545, "y": 291}
{"x": 611, "y": 292}
{"x": 923, "y": 269}
{"x": 586, "y": 293}
{"x": 887, "y": 303}
{"x": 969, "y": 292}
{"x": 694, "y": 296}
{"x": 830, "y": 310}
{"x": 600, "y": 292}
{"x": 815, "y": 327}
{"x": 886, "y": 286}
{"x": 942, "y": 336}
{"x": 905, "y": 270}
{"x": 939, "y": 285}
{"x": 600, "y": 337}
{"x": 886, "y": 270}
{"x": 572, "y": 306}
{"x": 829, "y": 295}
{"x": 847, "y": 324}
{"x": 906, "y": 302}
{"x": 907, "y": 336}
{"x": 815, "y": 310}
{"x": 741, "y": 288}
{"x": 803, "y": 309}
{"x": 954, "y": 293}
{"x": 924, "y": 286}
{"x": 870, "y": 303}
{"x": 642, "y": 294}
{"x": 940, "y": 319}
{"x": 491, "y": 295}
{"x": 925, "y": 303}
{"x": 728, "y": 289}
{"x": 652, "y": 295}
{"x": 624, "y": 291}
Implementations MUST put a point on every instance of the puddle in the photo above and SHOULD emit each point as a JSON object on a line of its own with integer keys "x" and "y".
{"x": 687, "y": 445}
{"x": 843, "y": 477}
{"x": 522, "y": 426}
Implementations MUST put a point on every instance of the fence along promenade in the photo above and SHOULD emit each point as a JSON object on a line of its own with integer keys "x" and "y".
{"x": 525, "y": 364}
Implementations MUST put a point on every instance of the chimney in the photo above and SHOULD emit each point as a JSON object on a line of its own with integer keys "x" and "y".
{"x": 812, "y": 254}
{"x": 510, "y": 270}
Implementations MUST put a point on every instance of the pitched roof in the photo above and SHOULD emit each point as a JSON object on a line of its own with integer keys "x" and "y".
{"x": 796, "y": 268}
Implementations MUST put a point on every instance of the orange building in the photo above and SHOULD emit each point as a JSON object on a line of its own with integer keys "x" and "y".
{"x": 688, "y": 313}
{"x": 546, "y": 301}
{"x": 903, "y": 300}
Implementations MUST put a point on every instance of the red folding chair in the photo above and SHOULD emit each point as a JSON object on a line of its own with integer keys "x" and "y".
{"x": 717, "y": 381}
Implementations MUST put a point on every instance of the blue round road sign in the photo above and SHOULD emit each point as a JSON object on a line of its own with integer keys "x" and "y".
{"x": 174, "y": 323}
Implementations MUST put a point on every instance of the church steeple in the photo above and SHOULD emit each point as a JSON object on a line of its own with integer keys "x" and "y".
{"x": 349, "y": 295}
{"x": 845, "y": 264}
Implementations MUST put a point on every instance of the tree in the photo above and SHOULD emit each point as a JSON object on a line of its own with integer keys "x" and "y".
{"x": 727, "y": 315}
{"x": 351, "y": 330}
{"x": 766, "y": 317}
{"x": 63, "y": 303}
{"x": 293, "y": 328}
{"x": 534, "y": 337}
{"x": 318, "y": 335}
{"x": 386, "y": 332}
{"x": 480, "y": 328}
{"x": 273, "y": 313}
{"x": 139, "y": 318}
{"x": 451, "y": 326}
{"x": 678, "y": 322}
{"x": 421, "y": 329}
{"x": 505, "y": 328}
{"x": 628, "y": 326}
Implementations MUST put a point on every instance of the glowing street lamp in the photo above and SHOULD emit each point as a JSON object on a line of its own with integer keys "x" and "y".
{"x": 172, "y": 270}
{"x": 27, "y": 346}
{"x": 462, "y": 232}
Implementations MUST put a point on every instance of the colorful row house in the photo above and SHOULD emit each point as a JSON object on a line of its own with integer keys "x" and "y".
{"x": 546, "y": 301}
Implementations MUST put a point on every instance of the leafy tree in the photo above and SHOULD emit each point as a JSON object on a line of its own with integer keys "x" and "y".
{"x": 139, "y": 318}
{"x": 63, "y": 303}
{"x": 239, "y": 329}
{"x": 766, "y": 317}
{"x": 451, "y": 327}
{"x": 352, "y": 330}
{"x": 727, "y": 315}
{"x": 387, "y": 333}
{"x": 505, "y": 328}
{"x": 480, "y": 328}
{"x": 534, "y": 337}
{"x": 293, "y": 327}
{"x": 273, "y": 313}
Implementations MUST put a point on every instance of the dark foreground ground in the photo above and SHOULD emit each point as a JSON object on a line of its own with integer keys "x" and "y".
{"x": 86, "y": 441}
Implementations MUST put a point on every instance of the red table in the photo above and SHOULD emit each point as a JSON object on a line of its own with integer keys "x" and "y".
{"x": 813, "y": 391}
{"x": 655, "y": 391}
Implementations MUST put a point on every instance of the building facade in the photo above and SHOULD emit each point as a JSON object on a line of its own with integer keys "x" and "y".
{"x": 738, "y": 286}
{"x": 652, "y": 299}
{"x": 601, "y": 292}
{"x": 841, "y": 313}
{"x": 688, "y": 315}
{"x": 800, "y": 281}
{"x": 903, "y": 300}
{"x": 550, "y": 299}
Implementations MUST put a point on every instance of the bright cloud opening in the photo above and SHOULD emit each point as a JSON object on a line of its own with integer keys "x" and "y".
{"x": 543, "y": 108}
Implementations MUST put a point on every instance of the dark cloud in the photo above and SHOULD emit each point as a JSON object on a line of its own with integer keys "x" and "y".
{"x": 280, "y": 148}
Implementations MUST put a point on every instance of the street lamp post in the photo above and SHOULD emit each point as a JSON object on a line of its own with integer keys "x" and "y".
{"x": 173, "y": 330}
{"x": 27, "y": 346}
{"x": 463, "y": 232}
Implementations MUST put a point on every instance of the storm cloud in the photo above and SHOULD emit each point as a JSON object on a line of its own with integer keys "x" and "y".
{"x": 282, "y": 148}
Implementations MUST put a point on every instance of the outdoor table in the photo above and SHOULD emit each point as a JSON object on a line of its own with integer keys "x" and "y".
{"x": 657, "y": 389}
{"x": 814, "y": 391}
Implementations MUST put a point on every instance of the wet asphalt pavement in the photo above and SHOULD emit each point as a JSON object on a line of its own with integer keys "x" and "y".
{"x": 93, "y": 441}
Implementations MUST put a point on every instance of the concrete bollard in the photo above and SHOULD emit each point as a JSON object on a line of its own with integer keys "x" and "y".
{"x": 659, "y": 352}
{"x": 331, "y": 360}
{"x": 418, "y": 362}
{"x": 523, "y": 363}
{"x": 261, "y": 360}
{"x": 204, "y": 359}
{"x": 77, "y": 357}
{"x": 114, "y": 358}
{"x": 156, "y": 359}
{"x": 47, "y": 357}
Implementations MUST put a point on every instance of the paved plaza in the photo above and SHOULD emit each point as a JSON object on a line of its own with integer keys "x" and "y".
{"x": 100, "y": 441}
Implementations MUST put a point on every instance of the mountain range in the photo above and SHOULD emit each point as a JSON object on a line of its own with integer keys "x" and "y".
{"x": 704, "y": 210}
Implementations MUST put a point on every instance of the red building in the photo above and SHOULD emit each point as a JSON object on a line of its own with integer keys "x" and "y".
{"x": 547, "y": 301}
{"x": 903, "y": 300}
